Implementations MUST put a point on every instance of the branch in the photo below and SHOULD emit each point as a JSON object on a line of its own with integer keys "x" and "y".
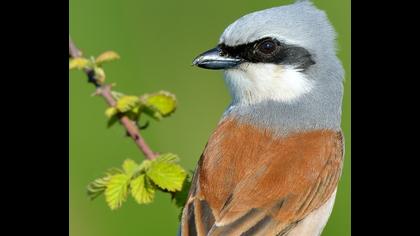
{"x": 105, "y": 92}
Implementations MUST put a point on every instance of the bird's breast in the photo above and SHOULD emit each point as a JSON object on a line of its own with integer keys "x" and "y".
{"x": 242, "y": 158}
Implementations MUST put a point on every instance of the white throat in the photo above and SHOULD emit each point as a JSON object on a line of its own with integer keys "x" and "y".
{"x": 254, "y": 83}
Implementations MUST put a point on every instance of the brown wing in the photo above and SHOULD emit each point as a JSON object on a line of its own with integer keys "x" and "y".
{"x": 250, "y": 183}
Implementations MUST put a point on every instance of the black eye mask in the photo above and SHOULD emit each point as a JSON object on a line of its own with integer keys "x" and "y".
{"x": 270, "y": 50}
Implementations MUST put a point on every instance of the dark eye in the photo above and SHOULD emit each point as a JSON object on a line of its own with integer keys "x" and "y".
{"x": 267, "y": 46}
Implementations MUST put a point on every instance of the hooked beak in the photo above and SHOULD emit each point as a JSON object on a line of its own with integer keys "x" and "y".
{"x": 213, "y": 59}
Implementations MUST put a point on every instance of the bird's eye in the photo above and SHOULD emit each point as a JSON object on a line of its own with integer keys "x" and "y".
{"x": 267, "y": 46}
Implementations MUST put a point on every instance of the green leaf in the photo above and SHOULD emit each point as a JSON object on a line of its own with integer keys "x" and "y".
{"x": 114, "y": 171}
{"x": 107, "y": 57}
{"x": 163, "y": 102}
{"x": 112, "y": 121}
{"x": 99, "y": 74}
{"x": 117, "y": 190}
{"x": 180, "y": 197}
{"x": 129, "y": 167}
{"x": 142, "y": 127}
{"x": 152, "y": 112}
{"x": 133, "y": 114}
{"x": 117, "y": 95}
{"x": 167, "y": 157}
{"x": 142, "y": 168}
{"x": 78, "y": 63}
{"x": 127, "y": 103}
{"x": 111, "y": 111}
{"x": 142, "y": 190}
{"x": 167, "y": 175}
{"x": 97, "y": 187}
{"x": 145, "y": 165}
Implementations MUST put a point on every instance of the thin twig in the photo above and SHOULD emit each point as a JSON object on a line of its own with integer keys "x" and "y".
{"x": 105, "y": 92}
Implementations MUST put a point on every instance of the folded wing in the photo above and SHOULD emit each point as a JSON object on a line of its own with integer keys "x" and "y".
{"x": 249, "y": 182}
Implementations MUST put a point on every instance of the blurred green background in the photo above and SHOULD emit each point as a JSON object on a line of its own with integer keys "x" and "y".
{"x": 157, "y": 41}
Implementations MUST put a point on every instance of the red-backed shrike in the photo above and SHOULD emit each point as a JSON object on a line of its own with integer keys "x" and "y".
{"x": 272, "y": 165}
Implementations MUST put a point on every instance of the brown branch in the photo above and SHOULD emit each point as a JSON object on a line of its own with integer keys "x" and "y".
{"x": 105, "y": 92}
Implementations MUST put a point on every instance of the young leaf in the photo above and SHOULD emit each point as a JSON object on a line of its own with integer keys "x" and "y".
{"x": 117, "y": 190}
{"x": 114, "y": 171}
{"x": 142, "y": 190}
{"x": 99, "y": 74}
{"x": 111, "y": 111}
{"x": 167, "y": 157}
{"x": 117, "y": 95}
{"x": 112, "y": 121}
{"x": 106, "y": 57}
{"x": 127, "y": 103}
{"x": 163, "y": 102}
{"x": 152, "y": 112}
{"x": 97, "y": 187}
{"x": 142, "y": 168}
{"x": 167, "y": 175}
{"x": 78, "y": 63}
{"x": 180, "y": 197}
{"x": 133, "y": 114}
{"x": 129, "y": 166}
{"x": 142, "y": 127}
{"x": 145, "y": 165}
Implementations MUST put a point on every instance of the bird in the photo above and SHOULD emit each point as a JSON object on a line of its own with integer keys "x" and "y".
{"x": 274, "y": 161}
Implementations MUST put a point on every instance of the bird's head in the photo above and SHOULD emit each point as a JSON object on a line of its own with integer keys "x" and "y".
{"x": 279, "y": 54}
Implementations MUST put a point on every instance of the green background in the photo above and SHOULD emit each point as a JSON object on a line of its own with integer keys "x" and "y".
{"x": 157, "y": 41}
